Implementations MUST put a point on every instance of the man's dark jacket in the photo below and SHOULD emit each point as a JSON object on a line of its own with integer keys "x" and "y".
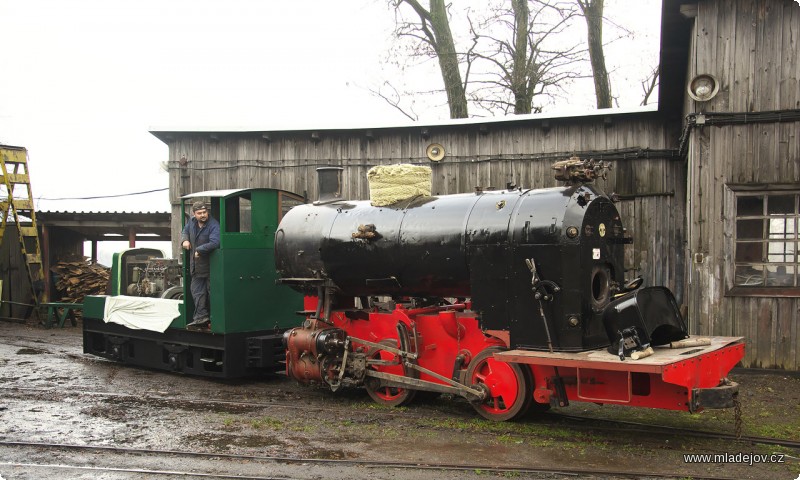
{"x": 203, "y": 240}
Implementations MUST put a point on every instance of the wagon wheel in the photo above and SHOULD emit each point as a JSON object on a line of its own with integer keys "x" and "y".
{"x": 385, "y": 395}
{"x": 508, "y": 386}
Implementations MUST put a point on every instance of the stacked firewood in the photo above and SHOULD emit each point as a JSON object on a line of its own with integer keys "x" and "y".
{"x": 77, "y": 278}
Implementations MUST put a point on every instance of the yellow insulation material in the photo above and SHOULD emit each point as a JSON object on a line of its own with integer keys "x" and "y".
{"x": 390, "y": 184}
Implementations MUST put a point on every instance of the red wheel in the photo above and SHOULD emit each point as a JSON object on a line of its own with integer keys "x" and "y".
{"x": 385, "y": 395}
{"x": 507, "y": 384}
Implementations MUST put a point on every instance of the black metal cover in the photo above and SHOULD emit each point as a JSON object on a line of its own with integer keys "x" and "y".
{"x": 652, "y": 311}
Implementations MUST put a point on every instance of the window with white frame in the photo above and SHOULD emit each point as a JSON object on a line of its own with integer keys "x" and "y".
{"x": 766, "y": 240}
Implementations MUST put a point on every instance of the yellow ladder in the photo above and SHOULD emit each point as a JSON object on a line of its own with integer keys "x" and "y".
{"x": 19, "y": 203}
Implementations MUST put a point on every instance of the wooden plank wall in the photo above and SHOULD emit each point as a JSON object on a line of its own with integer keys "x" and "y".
{"x": 751, "y": 47}
{"x": 16, "y": 286}
{"x": 519, "y": 152}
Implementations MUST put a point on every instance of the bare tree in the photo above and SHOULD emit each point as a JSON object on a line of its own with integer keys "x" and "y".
{"x": 649, "y": 85}
{"x": 433, "y": 30}
{"x": 505, "y": 56}
{"x": 593, "y": 13}
{"x": 390, "y": 95}
{"x": 527, "y": 54}
{"x": 513, "y": 42}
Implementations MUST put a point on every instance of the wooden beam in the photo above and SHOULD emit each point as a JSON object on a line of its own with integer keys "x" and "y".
{"x": 46, "y": 263}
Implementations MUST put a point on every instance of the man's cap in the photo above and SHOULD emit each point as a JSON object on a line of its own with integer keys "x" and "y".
{"x": 199, "y": 206}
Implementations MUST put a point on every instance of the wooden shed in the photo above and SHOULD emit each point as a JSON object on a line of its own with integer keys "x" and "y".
{"x": 15, "y": 288}
{"x": 62, "y": 236}
{"x": 680, "y": 170}
{"x": 743, "y": 165}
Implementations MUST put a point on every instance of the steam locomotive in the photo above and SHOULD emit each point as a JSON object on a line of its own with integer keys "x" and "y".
{"x": 511, "y": 299}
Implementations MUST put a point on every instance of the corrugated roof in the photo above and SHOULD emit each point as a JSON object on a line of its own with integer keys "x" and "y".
{"x": 216, "y": 193}
{"x": 38, "y": 212}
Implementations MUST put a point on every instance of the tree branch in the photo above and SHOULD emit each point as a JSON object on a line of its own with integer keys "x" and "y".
{"x": 394, "y": 100}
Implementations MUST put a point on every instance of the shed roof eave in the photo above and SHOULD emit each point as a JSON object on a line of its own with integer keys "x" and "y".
{"x": 164, "y": 133}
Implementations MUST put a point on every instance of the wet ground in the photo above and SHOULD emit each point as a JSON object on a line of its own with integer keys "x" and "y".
{"x": 50, "y": 392}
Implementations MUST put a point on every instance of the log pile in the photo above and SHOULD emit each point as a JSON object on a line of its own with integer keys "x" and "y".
{"x": 78, "y": 278}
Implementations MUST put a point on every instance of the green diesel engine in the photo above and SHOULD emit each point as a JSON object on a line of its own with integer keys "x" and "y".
{"x": 143, "y": 321}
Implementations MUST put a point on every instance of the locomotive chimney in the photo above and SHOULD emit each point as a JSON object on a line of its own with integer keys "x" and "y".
{"x": 329, "y": 181}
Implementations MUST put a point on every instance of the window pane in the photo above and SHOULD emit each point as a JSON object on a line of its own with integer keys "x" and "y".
{"x": 245, "y": 215}
{"x": 781, "y": 252}
{"x": 750, "y": 275}
{"x": 752, "y": 229}
{"x": 750, "y": 252}
{"x": 749, "y": 206}
{"x": 780, "y": 276}
{"x": 238, "y": 216}
{"x": 767, "y": 239}
{"x": 781, "y": 228}
{"x": 780, "y": 204}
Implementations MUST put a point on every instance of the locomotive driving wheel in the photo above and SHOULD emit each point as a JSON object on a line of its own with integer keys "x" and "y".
{"x": 508, "y": 386}
{"x": 389, "y": 395}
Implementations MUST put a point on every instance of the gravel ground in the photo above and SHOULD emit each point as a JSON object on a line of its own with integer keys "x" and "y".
{"x": 53, "y": 393}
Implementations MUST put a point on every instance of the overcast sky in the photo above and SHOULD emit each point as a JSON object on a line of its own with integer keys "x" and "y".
{"x": 84, "y": 80}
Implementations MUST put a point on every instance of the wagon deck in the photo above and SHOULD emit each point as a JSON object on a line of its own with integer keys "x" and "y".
{"x": 663, "y": 359}
{"x": 675, "y": 379}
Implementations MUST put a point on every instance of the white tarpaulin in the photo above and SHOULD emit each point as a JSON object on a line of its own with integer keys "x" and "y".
{"x": 141, "y": 313}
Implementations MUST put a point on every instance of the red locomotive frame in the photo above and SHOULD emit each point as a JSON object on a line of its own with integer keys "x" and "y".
{"x": 446, "y": 351}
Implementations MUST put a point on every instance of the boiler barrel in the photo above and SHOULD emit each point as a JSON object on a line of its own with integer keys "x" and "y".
{"x": 472, "y": 245}
{"x": 416, "y": 251}
{"x": 419, "y": 249}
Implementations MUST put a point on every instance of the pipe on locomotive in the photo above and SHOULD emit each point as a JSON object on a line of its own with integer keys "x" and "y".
{"x": 475, "y": 245}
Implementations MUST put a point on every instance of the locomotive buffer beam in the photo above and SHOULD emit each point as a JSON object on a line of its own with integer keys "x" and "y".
{"x": 392, "y": 380}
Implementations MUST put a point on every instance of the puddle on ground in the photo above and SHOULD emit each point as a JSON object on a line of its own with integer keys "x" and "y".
{"x": 326, "y": 454}
{"x": 30, "y": 351}
{"x": 224, "y": 441}
{"x": 110, "y": 413}
{"x": 193, "y": 406}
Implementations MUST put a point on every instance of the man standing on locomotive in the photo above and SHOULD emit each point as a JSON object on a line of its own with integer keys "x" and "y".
{"x": 200, "y": 236}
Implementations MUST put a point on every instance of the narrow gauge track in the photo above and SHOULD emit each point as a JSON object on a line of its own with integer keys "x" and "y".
{"x": 550, "y": 418}
{"x": 434, "y": 467}
{"x": 649, "y": 428}
{"x": 68, "y": 339}
{"x": 137, "y": 471}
